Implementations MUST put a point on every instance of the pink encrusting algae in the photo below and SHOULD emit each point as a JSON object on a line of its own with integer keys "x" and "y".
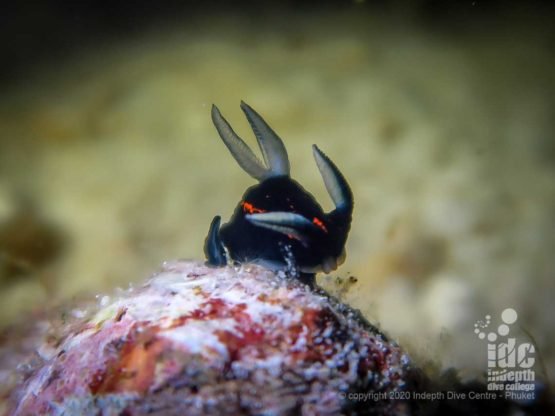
{"x": 196, "y": 340}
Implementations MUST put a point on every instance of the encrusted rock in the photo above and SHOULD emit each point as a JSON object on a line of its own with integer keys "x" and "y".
{"x": 196, "y": 340}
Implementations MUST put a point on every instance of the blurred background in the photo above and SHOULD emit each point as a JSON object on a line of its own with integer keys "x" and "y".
{"x": 440, "y": 114}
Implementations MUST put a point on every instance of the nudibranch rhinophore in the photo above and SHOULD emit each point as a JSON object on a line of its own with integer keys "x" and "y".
{"x": 277, "y": 223}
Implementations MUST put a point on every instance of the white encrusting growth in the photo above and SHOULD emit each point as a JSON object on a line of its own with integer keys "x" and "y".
{"x": 191, "y": 326}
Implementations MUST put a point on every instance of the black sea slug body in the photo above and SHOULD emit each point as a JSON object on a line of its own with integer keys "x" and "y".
{"x": 277, "y": 223}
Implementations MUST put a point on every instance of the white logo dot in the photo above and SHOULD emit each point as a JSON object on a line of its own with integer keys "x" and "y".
{"x": 503, "y": 330}
{"x": 509, "y": 316}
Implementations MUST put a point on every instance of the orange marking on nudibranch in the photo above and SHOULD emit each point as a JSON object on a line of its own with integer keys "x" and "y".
{"x": 320, "y": 224}
{"x": 250, "y": 208}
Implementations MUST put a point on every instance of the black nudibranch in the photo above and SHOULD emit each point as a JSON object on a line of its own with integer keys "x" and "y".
{"x": 277, "y": 223}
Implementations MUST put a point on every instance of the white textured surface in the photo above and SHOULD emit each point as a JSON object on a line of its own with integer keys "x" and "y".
{"x": 195, "y": 336}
